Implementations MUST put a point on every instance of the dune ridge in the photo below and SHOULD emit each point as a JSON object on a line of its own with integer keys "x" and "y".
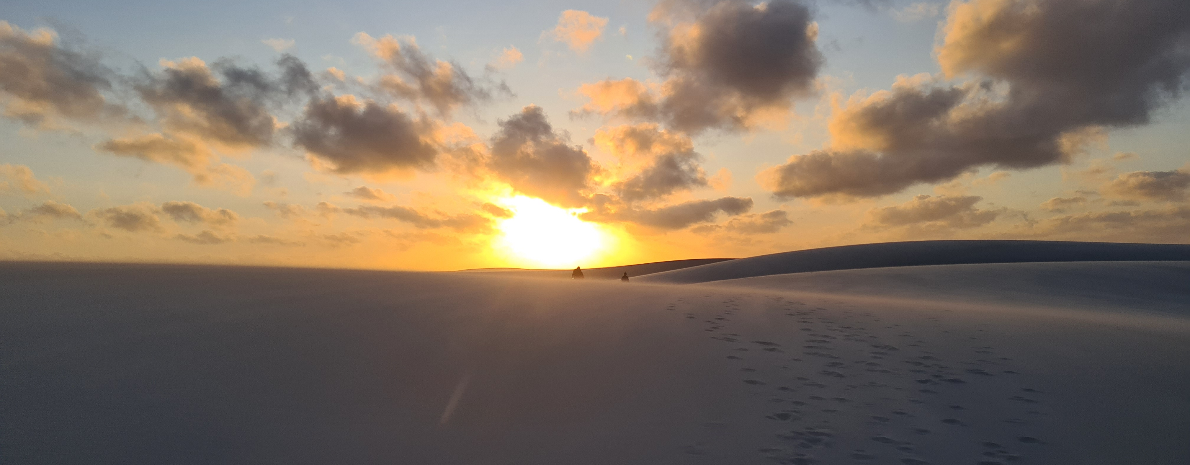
{"x": 920, "y": 253}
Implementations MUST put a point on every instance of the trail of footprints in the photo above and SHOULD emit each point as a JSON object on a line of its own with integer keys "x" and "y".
{"x": 896, "y": 374}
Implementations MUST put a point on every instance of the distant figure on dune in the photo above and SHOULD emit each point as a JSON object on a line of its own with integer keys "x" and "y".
{"x": 577, "y": 273}
{"x": 625, "y": 277}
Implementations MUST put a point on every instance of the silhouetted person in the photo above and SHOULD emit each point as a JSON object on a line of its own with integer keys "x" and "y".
{"x": 577, "y": 273}
{"x": 625, "y": 277}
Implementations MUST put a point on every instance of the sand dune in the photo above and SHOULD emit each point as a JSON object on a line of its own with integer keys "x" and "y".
{"x": 180, "y": 364}
{"x": 920, "y": 253}
{"x": 611, "y": 272}
{"x": 1152, "y": 287}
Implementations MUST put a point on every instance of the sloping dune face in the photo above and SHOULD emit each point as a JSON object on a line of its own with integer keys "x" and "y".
{"x": 896, "y": 254}
{"x": 165, "y": 364}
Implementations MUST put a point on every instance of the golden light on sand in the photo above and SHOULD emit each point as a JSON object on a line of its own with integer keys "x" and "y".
{"x": 541, "y": 234}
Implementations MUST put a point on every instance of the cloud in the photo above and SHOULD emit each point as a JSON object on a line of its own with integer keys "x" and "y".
{"x": 953, "y": 212}
{"x": 760, "y": 223}
{"x": 1159, "y": 225}
{"x": 189, "y": 154}
{"x": 160, "y": 148}
{"x": 204, "y": 238}
{"x": 721, "y": 181}
{"x": 421, "y": 78}
{"x": 140, "y": 217}
{"x": 224, "y": 104}
{"x": 533, "y": 159}
{"x": 626, "y": 97}
{"x": 191, "y": 212}
{"x": 357, "y": 137}
{"x": 20, "y": 179}
{"x": 508, "y": 58}
{"x": 286, "y": 210}
{"x": 48, "y": 210}
{"x": 467, "y": 222}
{"x": 668, "y": 161}
{"x": 273, "y": 240}
{"x": 727, "y": 65}
{"x": 1040, "y": 85}
{"x": 41, "y": 80}
{"x": 280, "y": 45}
{"x": 341, "y": 239}
{"x": 1170, "y": 186}
{"x": 677, "y": 216}
{"x": 371, "y": 195}
{"x": 497, "y": 211}
{"x": 917, "y": 11}
{"x": 1062, "y": 204}
{"x": 578, "y": 29}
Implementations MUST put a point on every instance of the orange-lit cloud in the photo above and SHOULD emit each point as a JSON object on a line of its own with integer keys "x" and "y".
{"x": 578, "y": 29}
{"x": 19, "y": 179}
{"x": 509, "y": 57}
{"x": 1170, "y": 186}
{"x": 657, "y": 162}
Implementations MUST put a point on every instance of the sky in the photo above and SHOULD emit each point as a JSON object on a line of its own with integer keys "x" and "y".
{"x": 464, "y": 134}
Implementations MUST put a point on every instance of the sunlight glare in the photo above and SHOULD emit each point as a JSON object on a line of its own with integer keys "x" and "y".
{"x": 545, "y": 235}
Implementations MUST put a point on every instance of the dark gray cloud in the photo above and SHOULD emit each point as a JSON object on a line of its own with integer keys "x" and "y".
{"x": 191, "y": 212}
{"x": 224, "y": 103}
{"x": 365, "y": 137}
{"x": 728, "y": 65}
{"x": 533, "y": 159}
{"x": 131, "y": 218}
{"x": 948, "y": 211}
{"x": 763, "y": 54}
{"x": 419, "y": 77}
{"x": 1151, "y": 185}
{"x": 1047, "y": 80}
{"x": 671, "y": 217}
{"x": 667, "y": 174}
{"x": 44, "y": 79}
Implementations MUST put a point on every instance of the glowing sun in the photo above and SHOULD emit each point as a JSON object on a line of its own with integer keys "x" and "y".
{"x": 545, "y": 235}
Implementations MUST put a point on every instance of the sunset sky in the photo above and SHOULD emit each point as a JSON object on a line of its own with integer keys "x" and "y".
{"x": 466, "y": 134}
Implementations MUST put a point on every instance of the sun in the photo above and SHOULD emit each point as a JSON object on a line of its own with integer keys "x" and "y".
{"x": 544, "y": 235}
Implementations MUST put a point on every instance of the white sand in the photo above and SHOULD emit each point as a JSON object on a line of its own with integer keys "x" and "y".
{"x": 136, "y": 364}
